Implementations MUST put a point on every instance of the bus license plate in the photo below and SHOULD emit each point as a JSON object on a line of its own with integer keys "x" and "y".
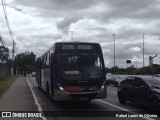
{"x": 93, "y": 88}
{"x": 83, "y": 98}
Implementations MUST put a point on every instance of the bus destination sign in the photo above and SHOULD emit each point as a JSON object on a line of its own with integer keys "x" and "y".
{"x": 79, "y": 47}
{"x": 64, "y": 47}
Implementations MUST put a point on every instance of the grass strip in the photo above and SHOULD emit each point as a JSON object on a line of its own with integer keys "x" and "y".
{"x": 6, "y": 83}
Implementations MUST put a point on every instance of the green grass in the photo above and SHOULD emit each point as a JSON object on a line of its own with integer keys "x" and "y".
{"x": 6, "y": 83}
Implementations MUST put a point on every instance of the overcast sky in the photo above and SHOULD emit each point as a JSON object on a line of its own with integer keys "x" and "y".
{"x": 37, "y": 24}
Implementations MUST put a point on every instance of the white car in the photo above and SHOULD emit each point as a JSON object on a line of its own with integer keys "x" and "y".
{"x": 33, "y": 74}
{"x": 113, "y": 79}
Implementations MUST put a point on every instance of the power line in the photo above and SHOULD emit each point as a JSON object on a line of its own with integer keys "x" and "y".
{"x": 2, "y": 41}
{"x": 2, "y": 35}
{"x": 7, "y": 22}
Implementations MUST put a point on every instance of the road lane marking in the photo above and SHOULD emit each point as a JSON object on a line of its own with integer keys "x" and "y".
{"x": 123, "y": 109}
{"x": 35, "y": 99}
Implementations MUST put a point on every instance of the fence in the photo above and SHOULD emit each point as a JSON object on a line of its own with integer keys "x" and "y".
{"x": 4, "y": 70}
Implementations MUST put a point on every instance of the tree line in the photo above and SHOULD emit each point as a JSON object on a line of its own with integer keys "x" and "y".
{"x": 22, "y": 63}
{"x": 147, "y": 70}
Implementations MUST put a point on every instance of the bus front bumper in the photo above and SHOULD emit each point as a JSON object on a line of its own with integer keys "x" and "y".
{"x": 65, "y": 96}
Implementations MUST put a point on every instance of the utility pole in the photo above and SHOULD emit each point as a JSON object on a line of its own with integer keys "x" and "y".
{"x": 13, "y": 51}
{"x": 71, "y": 35}
{"x": 114, "y": 50}
{"x": 143, "y": 53}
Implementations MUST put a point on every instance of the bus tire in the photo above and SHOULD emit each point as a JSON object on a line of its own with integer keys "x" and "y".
{"x": 39, "y": 87}
{"x": 47, "y": 86}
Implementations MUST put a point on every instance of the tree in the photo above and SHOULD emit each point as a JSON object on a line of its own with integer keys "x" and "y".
{"x": 4, "y": 54}
{"x": 25, "y": 62}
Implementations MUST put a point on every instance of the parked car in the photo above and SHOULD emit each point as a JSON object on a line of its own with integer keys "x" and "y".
{"x": 33, "y": 74}
{"x": 144, "y": 90}
{"x": 156, "y": 75}
{"x": 113, "y": 79}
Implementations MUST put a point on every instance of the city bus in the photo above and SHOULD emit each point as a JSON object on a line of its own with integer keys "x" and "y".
{"x": 72, "y": 71}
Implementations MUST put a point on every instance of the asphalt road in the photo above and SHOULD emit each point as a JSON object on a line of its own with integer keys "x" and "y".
{"x": 96, "y": 109}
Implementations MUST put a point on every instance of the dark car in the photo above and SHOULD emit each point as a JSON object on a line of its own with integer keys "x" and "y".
{"x": 143, "y": 90}
{"x": 113, "y": 79}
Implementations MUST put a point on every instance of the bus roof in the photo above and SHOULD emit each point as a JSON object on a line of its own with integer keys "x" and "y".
{"x": 71, "y": 42}
{"x": 75, "y": 42}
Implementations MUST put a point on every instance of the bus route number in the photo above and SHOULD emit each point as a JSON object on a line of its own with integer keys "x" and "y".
{"x": 68, "y": 47}
{"x": 88, "y": 47}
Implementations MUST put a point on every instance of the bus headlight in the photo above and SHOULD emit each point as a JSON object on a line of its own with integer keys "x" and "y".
{"x": 103, "y": 87}
{"x": 60, "y": 87}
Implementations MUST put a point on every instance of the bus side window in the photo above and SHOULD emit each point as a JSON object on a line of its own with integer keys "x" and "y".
{"x": 52, "y": 58}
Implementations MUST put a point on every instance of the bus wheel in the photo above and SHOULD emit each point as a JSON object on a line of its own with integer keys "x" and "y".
{"x": 39, "y": 87}
{"x": 47, "y": 86}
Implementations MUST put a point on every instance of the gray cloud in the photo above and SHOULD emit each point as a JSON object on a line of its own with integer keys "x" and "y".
{"x": 58, "y": 4}
{"x": 66, "y": 22}
{"x": 130, "y": 8}
{"x": 38, "y": 24}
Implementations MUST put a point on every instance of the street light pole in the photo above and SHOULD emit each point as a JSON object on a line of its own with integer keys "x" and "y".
{"x": 114, "y": 50}
{"x": 143, "y": 53}
{"x": 72, "y": 35}
{"x": 135, "y": 64}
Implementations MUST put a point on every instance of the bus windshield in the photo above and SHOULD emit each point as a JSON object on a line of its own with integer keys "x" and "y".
{"x": 80, "y": 66}
{"x": 70, "y": 66}
{"x": 92, "y": 66}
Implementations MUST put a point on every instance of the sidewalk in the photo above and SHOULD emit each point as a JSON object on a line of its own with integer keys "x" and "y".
{"x": 18, "y": 98}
